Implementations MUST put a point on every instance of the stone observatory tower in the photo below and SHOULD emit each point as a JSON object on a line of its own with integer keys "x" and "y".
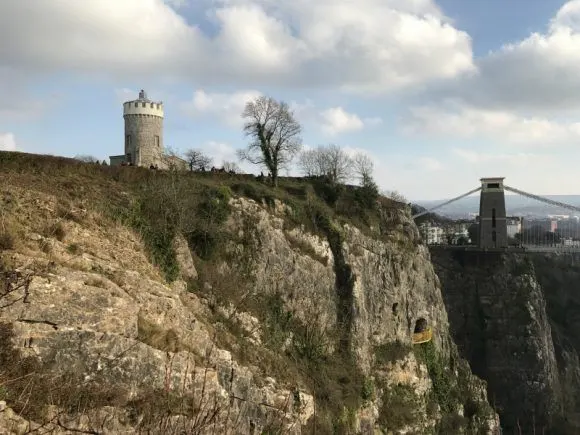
{"x": 143, "y": 131}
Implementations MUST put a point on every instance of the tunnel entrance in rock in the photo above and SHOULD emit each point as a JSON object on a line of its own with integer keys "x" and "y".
{"x": 422, "y": 332}
{"x": 420, "y": 325}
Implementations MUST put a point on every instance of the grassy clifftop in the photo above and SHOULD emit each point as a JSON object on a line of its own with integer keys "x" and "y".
{"x": 160, "y": 204}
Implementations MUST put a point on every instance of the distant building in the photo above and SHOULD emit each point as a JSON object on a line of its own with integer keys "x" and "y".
{"x": 545, "y": 225}
{"x": 432, "y": 234}
{"x": 514, "y": 226}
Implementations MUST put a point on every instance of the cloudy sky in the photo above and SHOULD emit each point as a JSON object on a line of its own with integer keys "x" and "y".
{"x": 439, "y": 93}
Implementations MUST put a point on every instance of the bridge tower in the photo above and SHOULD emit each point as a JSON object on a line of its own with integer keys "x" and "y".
{"x": 492, "y": 214}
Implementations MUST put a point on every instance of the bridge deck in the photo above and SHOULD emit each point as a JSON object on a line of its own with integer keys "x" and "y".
{"x": 527, "y": 248}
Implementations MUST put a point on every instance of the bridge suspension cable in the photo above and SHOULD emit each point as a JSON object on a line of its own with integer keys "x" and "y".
{"x": 446, "y": 203}
{"x": 542, "y": 199}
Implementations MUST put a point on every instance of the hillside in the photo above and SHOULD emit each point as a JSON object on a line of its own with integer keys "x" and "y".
{"x": 145, "y": 301}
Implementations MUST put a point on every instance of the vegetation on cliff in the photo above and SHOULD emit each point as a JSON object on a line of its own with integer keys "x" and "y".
{"x": 226, "y": 243}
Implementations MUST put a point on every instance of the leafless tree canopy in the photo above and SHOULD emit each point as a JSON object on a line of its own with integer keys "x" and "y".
{"x": 197, "y": 160}
{"x": 395, "y": 196}
{"x": 329, "y": 161}
{"x": 363, "y": 167}
{"x": 87, "y": 159}
{"x": 275, "y": 134}
{"x": 230, "y": 166}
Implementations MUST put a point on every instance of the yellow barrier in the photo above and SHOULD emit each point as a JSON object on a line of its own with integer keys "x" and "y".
{"x": 422, "y": 337}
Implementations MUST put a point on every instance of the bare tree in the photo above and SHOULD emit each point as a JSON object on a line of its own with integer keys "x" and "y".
{"x": 363, "y": 167}
{"x": 329, "y": 161}
{"x": 309, "y": 163}
{"x": 395, "y": 196}
{"x": 86, "y": 158}
{"x": 230, "y": 166}
{"x": 275, "y": 135}
{"x": 197, "y": 160}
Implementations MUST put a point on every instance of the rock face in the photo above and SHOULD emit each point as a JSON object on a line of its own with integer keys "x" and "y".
{"x": 113, "y": 348}
{"x": 512, "y": 316}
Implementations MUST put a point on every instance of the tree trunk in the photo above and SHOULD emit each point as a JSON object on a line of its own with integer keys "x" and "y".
{"x": 275, "y": 177}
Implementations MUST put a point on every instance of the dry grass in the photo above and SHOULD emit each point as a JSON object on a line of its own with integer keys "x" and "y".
{"x": 305, "y": 248}
{"x": 7, "y": 238}
{"x": 57, "y": 196}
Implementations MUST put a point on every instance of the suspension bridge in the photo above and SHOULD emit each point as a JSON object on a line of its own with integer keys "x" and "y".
{"x": 493, "y": 229}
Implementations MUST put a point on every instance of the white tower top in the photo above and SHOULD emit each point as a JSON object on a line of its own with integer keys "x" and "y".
{"x": 143, "y": 106}
{"x": 492, "y": 184}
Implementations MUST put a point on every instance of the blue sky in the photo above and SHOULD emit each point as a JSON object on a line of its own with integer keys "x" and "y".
{"x": 438, "y": 93}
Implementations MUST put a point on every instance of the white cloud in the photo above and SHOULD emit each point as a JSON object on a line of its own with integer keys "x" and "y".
{"x": 465, "y": 122}
{"x": 539, "y": 75}
{"x": 368, "y": 45}
{"x": 336, "y": 120}
{"x": 177, "y": 4}
{"x": 7, "y": 142}
{"x": 226, "y": 107}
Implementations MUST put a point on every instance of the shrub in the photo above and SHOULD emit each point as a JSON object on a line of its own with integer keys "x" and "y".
{"x": 445, "y": 387}
{"x": 399, "y": 407}
{"x": 73, "y": 248}
{"x": 213, "y": 210}
{"x": 368, "y": 389}
{"x": 54, "y": 230}
{"x": 7, "y": 239}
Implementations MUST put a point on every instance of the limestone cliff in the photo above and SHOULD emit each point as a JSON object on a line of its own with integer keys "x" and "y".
{"x": 291, "y": 326}
{"x": 513, "y": 317}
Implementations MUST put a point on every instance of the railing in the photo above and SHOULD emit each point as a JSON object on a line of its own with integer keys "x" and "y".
{"x": 423, "y": 337}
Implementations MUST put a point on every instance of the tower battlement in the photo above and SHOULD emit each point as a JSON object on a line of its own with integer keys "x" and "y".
{"x": 143, "y": 106}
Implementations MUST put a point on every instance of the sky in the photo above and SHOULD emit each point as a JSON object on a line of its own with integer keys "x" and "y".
{"x": 437, "y": 93}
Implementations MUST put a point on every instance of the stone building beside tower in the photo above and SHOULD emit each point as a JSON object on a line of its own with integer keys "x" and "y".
{"x": 144, "y": 136}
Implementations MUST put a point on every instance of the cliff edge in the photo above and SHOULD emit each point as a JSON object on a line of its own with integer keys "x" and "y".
{"x": 136, "y": 300}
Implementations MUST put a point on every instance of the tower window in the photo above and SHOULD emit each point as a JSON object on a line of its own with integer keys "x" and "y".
{"x": 128, "y": 140}
{"x": 143, "y": 104}
{"x": 136, "y": 104}
{"x": 152, "y": 105}
{"x": 157, "y": 141}
{"x": 493, "y": 236}
{"x": 493, "y": 218}
{"x": 493, "y": 185}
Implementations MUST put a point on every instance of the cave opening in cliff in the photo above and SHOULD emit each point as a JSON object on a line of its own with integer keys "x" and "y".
{"x": 422, "y": 332}
{"x": 420, "y": 325}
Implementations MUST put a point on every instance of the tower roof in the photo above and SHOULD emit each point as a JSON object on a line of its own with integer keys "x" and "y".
{"x": 143, "y": 96}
